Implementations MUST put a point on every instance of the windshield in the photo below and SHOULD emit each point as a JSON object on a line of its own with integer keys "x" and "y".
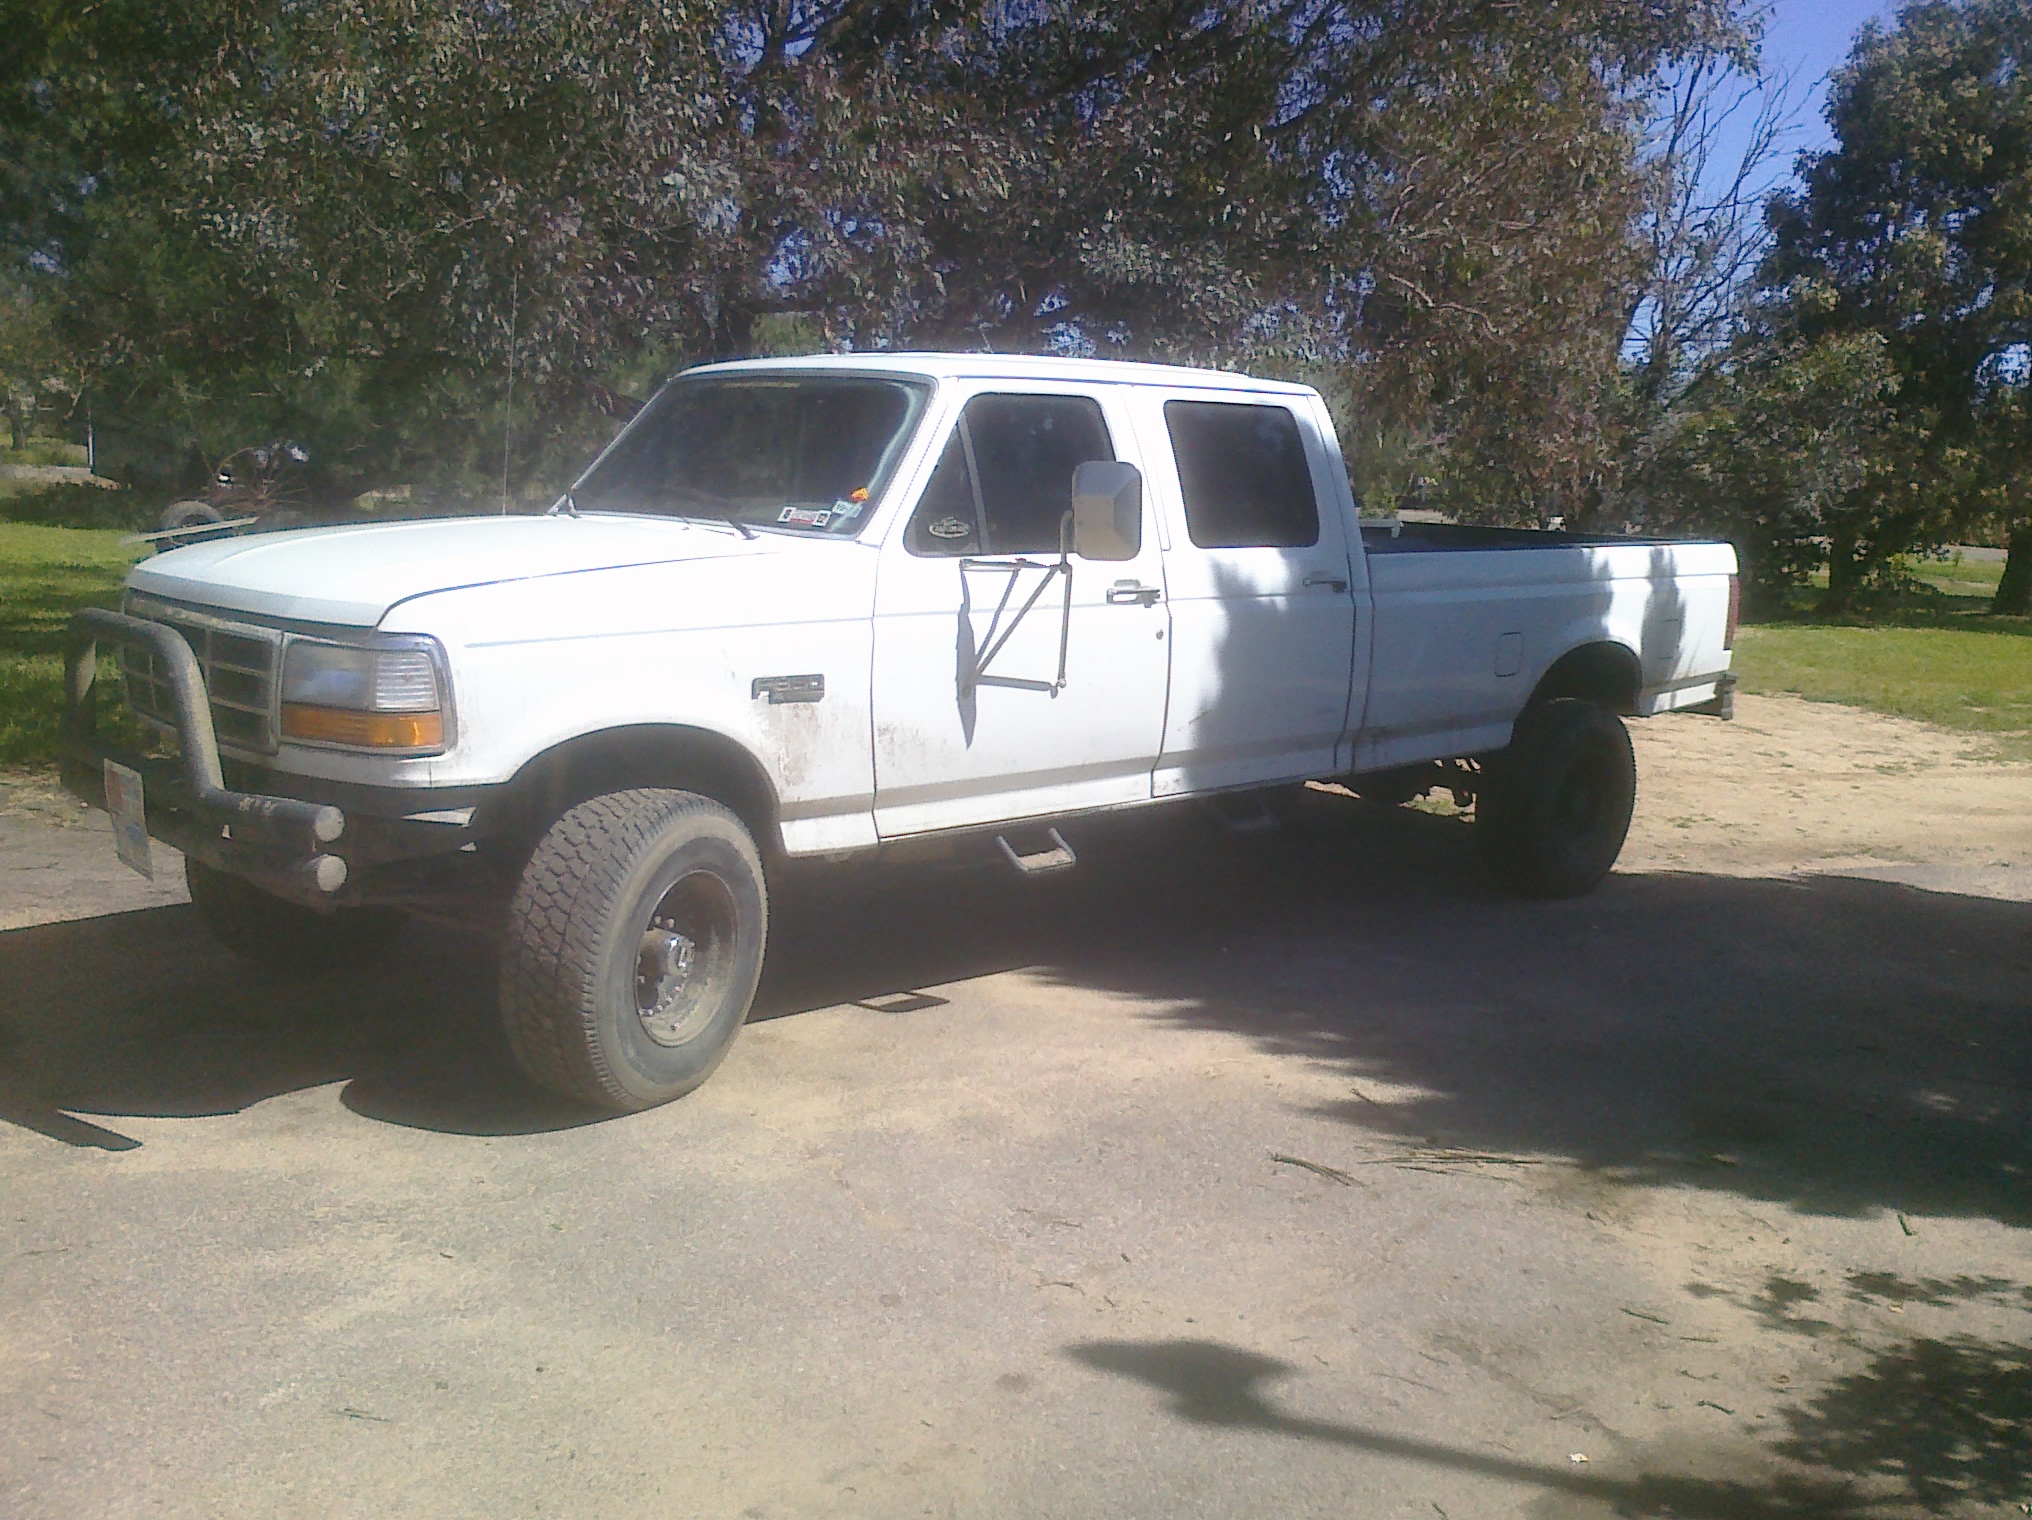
{"x": 801, "y": 453}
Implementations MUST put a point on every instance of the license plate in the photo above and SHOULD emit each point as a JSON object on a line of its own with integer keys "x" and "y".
{"x": 130, "y": 822}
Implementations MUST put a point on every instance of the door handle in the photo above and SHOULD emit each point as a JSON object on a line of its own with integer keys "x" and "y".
{"x": 1133, "y": 591}
{"x": 1324, "y": 578}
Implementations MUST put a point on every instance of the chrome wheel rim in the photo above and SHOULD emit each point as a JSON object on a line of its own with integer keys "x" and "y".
{"x": 682, "y": 963}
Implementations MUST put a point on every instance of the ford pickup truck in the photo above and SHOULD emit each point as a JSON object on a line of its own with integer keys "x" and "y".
{"x": 818, "y": 607}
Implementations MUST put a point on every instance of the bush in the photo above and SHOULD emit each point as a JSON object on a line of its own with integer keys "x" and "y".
{"x": 73, "y": 504}
{"x": 37, "y": 451}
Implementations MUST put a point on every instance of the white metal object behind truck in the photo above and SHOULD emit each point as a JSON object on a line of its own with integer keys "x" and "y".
{"x": 816, "y": 607}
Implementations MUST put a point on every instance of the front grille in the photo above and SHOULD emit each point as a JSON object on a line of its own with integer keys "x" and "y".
{"x": 240, "y": 661}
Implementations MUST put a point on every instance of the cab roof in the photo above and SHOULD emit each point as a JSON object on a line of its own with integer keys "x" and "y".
{"x": 949, "y": 366}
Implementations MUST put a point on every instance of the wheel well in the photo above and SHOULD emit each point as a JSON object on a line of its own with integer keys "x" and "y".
{"x": 650, "y": 755}
{"x": 1607, "y": 674}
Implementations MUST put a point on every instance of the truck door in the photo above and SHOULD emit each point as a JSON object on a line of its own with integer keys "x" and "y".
{"x": 1262, "y": 605}
{"x": 1005, "y": 687}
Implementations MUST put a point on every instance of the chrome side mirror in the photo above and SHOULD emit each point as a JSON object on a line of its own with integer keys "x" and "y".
{"x": 1107, "y": 510}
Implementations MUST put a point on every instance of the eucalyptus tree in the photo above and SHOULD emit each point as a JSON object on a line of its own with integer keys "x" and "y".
{"x": 422, "y": 234}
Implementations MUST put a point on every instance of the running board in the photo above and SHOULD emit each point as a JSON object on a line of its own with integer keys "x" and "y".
{"x": 1058, "y": 858}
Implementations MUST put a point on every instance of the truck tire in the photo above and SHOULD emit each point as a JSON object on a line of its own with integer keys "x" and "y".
{"x": 284, "y": 936}
{"x": 188, "y": 514}
{"x": 1554, "y": 808}
{"x": 634, "y": 944}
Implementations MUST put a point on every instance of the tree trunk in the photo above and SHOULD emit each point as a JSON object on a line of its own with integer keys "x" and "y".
{"x": 17, "y": 424}
{"x": 1842, "y": 571}
{"x": 2014, "y": 591}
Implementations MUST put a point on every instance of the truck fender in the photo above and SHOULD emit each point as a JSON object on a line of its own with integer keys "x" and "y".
{"x": 636, "y": 755}
{"x": 1604, "y": 672}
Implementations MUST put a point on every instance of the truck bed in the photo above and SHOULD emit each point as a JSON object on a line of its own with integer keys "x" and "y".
{"x": 1465, "y": 626}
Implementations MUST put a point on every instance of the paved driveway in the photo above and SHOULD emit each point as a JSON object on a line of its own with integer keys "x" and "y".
{"x": 1294, "y": 1176}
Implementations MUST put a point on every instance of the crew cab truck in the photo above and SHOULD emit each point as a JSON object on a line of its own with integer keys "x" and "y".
{"x": 820, "y": 607}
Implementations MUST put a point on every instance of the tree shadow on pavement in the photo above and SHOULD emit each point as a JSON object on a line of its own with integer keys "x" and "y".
{"x": 1949, "y": 1422}
{"x": 1212, "y": 1384}
{"x": 1837, "y": 1046}
{"x": 1932, "y": 1424}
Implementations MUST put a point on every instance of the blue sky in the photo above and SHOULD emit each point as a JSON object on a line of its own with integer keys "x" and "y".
{"x": 1810, "y": 37}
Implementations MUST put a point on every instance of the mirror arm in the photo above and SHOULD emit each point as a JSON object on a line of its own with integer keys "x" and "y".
{"x": 978, "y": 676}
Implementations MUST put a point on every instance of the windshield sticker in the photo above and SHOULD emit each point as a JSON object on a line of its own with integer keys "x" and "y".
{"x": 951, "y": 527}
{"x": 847, "y": 511}
{"x": 805, "y": 517}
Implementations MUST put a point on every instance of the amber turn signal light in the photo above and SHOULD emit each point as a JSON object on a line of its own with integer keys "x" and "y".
{"x": 337, "y": 725}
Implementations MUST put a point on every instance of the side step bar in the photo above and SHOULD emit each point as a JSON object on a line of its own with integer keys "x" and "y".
{"x": 1059, "y": 857}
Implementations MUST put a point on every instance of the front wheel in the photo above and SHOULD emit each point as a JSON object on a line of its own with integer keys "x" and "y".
{"x": 634, "y": 944}
{"x": 1554, "y": 808}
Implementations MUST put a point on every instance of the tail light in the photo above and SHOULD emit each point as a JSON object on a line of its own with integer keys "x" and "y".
{"x": 1735, "y": 610}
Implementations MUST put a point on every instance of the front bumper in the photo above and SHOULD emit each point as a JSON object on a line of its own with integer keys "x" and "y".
{"x": 305, "y": 850}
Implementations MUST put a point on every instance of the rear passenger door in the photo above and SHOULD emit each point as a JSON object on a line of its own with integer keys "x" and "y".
{"x": 1262, "y": 607}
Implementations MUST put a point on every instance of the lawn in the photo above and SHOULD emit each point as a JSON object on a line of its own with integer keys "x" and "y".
{"x": 1937, "y": 654}
{"x": 45, "y": 575}
{"x": 40, "y": 451}
{"x": 1956, "y": 574}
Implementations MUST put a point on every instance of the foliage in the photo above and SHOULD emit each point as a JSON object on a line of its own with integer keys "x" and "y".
{"x": 74, "y": 504}
{"x": 1918, "y": 228}
{"x": 429, "y": 238}
{"x": 1770, "y": 446}
{"x": 31, "y": 357}
{"x": 45, "y": 451}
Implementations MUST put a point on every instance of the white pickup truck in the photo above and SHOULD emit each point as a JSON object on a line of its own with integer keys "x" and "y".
{"x": 818, "y": 607}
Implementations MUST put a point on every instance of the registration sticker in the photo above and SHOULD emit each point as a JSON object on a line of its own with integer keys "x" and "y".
{"x": 130, "y": 822}
{"x": 805, "y": 517}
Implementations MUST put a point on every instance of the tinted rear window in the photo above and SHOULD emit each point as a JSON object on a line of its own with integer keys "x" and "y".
{"x": 1243, "y": 473}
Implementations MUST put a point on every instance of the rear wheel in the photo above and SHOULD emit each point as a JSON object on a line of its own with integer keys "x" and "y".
{"x": 1554, "y": 808}
{"x": 634, "y": 944}
{"x": 284, "y": 936}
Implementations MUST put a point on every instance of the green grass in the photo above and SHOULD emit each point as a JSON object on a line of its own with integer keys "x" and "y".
{"x": 1976, "y": 677}
{"x": 43, "y": 451}
{"x": 46, "y": 574}
{"x": 1956, "y": 575}
{"x": 1933, "y": 651}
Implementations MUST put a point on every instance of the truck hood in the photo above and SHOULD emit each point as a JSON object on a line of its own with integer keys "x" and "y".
{"x": 354, "y": 575}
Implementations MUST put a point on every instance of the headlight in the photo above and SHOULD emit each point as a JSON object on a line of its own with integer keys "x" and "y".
{"x": 364, "y": 696}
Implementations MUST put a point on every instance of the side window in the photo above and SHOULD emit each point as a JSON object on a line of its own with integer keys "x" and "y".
{"x": 948, "y": 515}
{"x": 1004, "y": 483}
{"x": 1242, "y": 471}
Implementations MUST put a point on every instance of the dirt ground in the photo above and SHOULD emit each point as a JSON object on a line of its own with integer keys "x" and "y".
{"x": 1295, "y": 1175}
